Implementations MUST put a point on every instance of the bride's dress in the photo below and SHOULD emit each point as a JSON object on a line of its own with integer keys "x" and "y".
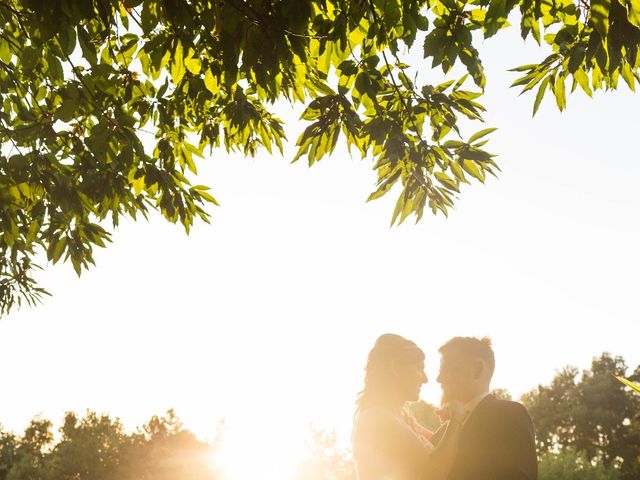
{"x": 390, "y": 446}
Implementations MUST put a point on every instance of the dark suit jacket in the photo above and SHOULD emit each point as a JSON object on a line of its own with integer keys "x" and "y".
{"x": 497, "y": 442}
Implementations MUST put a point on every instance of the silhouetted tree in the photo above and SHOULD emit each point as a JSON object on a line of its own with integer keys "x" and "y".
{"x": 8, "y": 446}
{"x": 592, "y": 413}
{"x": 31, "y": 452}
{"x": 502, "y": 393}
{"x": 96, "y": 447}
{"x": 90, "y": 449}
{"x": 164, "y": 450}
{"x": 326, "y": 460}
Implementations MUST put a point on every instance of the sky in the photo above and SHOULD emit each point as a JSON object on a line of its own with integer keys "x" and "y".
{"x": 265, "y": 317}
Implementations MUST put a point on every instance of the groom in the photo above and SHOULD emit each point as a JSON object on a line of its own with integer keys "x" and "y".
{"x": 497, "y": 439}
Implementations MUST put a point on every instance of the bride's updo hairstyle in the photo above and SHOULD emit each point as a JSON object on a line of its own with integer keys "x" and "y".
{"x": 389, "y": 352}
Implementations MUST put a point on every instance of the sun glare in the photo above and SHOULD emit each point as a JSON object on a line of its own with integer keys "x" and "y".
{"x": 268, "y": 450}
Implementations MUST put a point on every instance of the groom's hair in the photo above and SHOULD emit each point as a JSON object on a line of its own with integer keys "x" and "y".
{"x": 471, "y": 347}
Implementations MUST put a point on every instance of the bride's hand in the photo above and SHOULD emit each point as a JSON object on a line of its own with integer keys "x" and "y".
{"x": 456, "y": 411}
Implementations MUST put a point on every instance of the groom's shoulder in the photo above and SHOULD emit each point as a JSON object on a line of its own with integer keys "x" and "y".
{"x": 506, "y": 407}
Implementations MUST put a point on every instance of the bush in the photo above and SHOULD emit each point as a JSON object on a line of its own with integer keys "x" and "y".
{"x": 570, "y": 465}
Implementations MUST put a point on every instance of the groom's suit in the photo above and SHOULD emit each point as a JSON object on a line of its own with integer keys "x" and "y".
{"x": 497, "y": 442}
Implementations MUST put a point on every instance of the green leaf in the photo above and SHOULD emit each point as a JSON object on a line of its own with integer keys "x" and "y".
{"x": 496, "y": 17}
{"x": 600, "y": 16}
{"x": 56, "y": 248}
{"x": 30, "y": 57}
{"x": 526, "y": 79}
{"x": 202, "y": 192}
{"x": 324, "y": 61}
{"x": 348, "y": 67}
{"x": 385, "y": 185}
{"x": 633, "y": 9}
{"x": 524, "y": 68}
{"x": 457, "y": 171}
{"x": 447, "y": 181}
{"x": 628, "y": 77}
{"x": 471, "y": 59}
{"x": 481, "y": 134}
{"x": 434, "y": 43}
{"x": 89, "y": 51}
{"x": 211, "y": 82}
{"x": 583, "y": 80}
{"x": 177, "y": 66}
{"x": 77, "y": 265}
{"x": 5, "y": 52}
{"x": 346, "y": 71}
{"x": 67, "y": 39}
{"x": 150, "y": 15}
{"x": 193, "y": 65}
{"x": 399, "y": 207}
{"x": 472, "y": 169}
{"x": 67, "y": 111}
{"x": 541, "y": 91}
{"x": 460, "y": 81}
{"x": 576, "y": 58}
{"x": 450, "y": 4}
{"x": 559, "y": 92}
{"x": 628, "y": 383}
{"x": 55, "y": 68}
{"x": 534, "y": 81}
{"x": 478, "y": 15}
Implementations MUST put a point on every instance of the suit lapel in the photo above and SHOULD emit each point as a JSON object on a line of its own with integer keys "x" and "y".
{"x": 477, "y": 413}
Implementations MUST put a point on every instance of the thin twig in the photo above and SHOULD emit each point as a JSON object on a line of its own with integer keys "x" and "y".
{"x": 134, "y": 18}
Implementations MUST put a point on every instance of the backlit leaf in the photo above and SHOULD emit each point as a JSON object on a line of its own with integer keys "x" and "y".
{"x": 177, "y": 65}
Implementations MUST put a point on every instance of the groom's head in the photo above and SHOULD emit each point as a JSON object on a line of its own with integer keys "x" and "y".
{"x": 466, "y": 368}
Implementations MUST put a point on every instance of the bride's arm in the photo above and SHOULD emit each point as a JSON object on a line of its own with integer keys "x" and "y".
{"x": 385, "y": 446}
{"x": 440, "y": 461}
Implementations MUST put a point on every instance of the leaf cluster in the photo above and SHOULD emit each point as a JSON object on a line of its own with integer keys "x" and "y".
{"x": 594, "y": 45}
{"x": 107, "y": 109}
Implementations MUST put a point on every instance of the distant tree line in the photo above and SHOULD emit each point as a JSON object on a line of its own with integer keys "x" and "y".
{"x": 96, "y": 447}
{"x": 587, "y": 425}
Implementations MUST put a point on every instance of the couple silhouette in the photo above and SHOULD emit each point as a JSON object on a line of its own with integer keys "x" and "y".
{"x": 481, "y": 437}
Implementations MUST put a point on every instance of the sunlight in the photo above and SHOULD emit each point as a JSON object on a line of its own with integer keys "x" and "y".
{"x": 268, "y": 450}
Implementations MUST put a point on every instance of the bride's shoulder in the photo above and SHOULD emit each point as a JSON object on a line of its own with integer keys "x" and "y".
{"x": 373, "y": 418}
{"x": 372, "y": 414}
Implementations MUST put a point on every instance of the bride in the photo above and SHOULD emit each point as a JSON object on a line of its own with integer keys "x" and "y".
{"x": 388, "y": 443}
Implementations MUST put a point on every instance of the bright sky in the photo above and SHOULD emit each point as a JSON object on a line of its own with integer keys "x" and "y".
{"x": 265, "y": 317}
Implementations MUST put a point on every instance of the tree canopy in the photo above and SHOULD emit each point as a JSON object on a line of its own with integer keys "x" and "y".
{"x": 592, "y": 414}
{"x": 108, "y": 104}
{"x": 97, "y": 447}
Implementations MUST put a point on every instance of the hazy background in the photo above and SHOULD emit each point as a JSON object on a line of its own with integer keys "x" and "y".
{"x": 265, "y": 317}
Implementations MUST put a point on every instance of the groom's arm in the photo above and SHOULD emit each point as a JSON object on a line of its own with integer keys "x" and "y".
{"x": 518, "y": 445}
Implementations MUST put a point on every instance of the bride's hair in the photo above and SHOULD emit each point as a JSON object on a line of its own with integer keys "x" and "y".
{"x": 389, "y": 351}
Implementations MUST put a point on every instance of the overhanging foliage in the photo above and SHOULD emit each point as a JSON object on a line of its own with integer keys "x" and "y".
{"x": 107, "y": 104}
